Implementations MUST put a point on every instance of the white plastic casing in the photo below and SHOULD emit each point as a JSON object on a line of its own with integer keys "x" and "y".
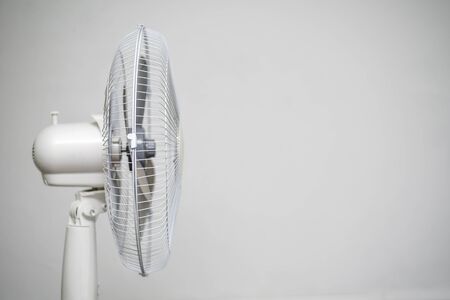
{"x": 70, "y": 154}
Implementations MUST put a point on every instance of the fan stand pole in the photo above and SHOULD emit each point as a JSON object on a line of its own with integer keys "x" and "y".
{"x": 79, "y": 272}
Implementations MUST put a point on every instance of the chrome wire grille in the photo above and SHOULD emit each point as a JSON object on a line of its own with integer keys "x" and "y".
{"x": 142, "y": 146}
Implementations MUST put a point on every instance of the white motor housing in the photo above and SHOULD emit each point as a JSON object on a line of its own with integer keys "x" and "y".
{"x": 70, "y": 154}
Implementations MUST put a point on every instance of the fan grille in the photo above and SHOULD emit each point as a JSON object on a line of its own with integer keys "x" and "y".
{"x": 142, "y": 151}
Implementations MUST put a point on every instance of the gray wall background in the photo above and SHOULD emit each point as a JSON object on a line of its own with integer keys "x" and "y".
{"x": 317, "y": 153}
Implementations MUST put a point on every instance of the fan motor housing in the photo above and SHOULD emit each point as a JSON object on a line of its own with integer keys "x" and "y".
{"x": 70, "y": 154}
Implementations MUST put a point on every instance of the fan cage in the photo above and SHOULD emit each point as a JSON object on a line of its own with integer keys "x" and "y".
{"x": 142, "y": 190}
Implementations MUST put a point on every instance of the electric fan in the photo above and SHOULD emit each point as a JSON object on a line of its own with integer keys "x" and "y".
{"x": 130, "y": 158}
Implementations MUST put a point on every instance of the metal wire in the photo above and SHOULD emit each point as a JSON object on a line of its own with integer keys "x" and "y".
{"x": 142, "y": 193}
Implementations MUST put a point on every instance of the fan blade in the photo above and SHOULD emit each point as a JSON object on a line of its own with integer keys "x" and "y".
{"x": 142, "y": 90}
{"x": 125, "y": 108}
{"x": 146, "y": 180}
{"x": 124, "y": 94}
{"x": 118, "y": 206}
